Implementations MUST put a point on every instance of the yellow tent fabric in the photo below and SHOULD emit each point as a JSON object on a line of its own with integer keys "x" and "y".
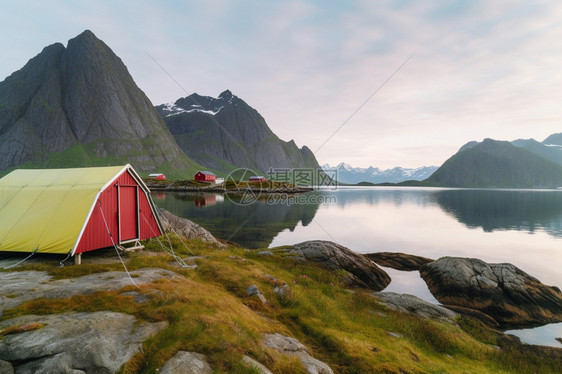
{"x": 44, "y": 210}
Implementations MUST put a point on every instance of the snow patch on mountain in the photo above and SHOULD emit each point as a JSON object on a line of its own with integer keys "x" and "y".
{"x": 174, "y": 110}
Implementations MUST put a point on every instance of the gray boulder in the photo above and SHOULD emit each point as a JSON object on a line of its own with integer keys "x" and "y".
{"x": 18, "y": 287}
{"x": 98, "y": 342}
{"x": 253, "y": 290}
{"x": 6, "y": 367}
{"x": 187, "y": 228}
{"x": 187, "y": 363}
{"x": 291, "y": 346}
{"x": 265, "y": 253}
{"x": 362, "y": 271}
{"x": 414, "y": 306}
{"x": 509, "y": 295}
{"x": 283, "y": 290}
{"x": 250, "y": 362}
{"x": 398, "y": 260}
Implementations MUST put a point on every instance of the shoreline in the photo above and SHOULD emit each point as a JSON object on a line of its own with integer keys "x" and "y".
{"x": 172, "y": 187}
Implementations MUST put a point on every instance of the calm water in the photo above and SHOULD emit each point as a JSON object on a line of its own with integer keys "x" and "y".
{"x": 523, "y": 227}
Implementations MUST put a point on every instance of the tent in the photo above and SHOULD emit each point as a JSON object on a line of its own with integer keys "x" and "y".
{"x": 71, "y": 211}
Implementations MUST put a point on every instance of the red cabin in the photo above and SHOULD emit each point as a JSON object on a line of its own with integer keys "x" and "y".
{"x": 256, "y": 179}
{"x": 157, "y": 176}
{"x": 205, "y": 176}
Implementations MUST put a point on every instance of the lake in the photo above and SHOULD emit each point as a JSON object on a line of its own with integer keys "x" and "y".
{"x": 522, "y": 227}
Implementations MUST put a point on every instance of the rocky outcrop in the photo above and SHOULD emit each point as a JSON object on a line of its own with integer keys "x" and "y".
{"x": 414, "y": 306}
{"x": 98, "y": 342}
{"x": 185, "y": 362}
{"x": 187, "y": 228}
{"x": 398, "y": 260}
{"x": 362, "y": 272}
{"x": 509, "y": 295}
{"x": 291, "y": 346}
{"x": 20, "y": 286}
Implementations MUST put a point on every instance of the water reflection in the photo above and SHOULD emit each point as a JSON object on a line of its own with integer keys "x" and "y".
{"x": 253, "y": 226}
{"x": 350, "y": 196}
{"x": 408, "y": 282}
{"x": 490, "y": 210}
{"x": 521, "y": 210}
{"x": 543, "y": 335}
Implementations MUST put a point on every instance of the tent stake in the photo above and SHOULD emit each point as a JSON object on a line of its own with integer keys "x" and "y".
{"x": 78, "y": 259}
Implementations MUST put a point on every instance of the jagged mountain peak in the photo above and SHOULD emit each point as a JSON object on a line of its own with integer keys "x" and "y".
{"x": 81, "y": 97}
{"x": 86, "y": 34}
{"x": 85, "y": 37}
{"x": 224, "y": 132}
{"x": 226, "y": 95}
{"x": 90, "y": 49}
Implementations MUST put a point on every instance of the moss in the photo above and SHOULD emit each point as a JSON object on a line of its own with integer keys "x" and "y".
{"x": 21, "y": 328}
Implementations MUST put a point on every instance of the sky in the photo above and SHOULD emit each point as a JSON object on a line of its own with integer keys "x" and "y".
{"x": 381, "y": 83}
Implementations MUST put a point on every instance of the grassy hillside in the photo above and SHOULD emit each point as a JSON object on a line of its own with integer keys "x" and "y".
{"x": 81, "y": 155}
{"x": 209, "y": 312}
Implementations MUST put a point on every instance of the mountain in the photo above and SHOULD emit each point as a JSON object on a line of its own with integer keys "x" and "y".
{"x": 79, "y": 106}
{"x": 554, "y": 139}
{"x": 501, "y": 164}
{"x": 550, "y": 148}
{"x": 345, "y": 173}
{"x": 226, "y": 133}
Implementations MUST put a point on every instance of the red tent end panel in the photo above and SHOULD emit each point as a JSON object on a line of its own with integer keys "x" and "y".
{"x": 122, "y": 213}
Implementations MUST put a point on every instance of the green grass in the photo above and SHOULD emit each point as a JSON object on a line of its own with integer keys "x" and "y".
{"x": 84, "y": 155}
{"x": 209, "y": 311}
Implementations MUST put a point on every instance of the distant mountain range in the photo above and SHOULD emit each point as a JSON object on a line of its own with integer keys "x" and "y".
{"x": 522, "y": 163}
{"x": 501, "y": 164}
{"x": 79, "y": 106}
{"x": 225, "y": 133}
{"x": 345, "y": 173}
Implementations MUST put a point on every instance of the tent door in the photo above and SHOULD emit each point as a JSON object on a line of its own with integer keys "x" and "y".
{"x": 128, "y": 213}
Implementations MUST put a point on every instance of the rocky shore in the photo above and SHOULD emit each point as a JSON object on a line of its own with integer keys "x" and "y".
{"x": 508, "y": 295}
{"x": 499, "y": 295}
